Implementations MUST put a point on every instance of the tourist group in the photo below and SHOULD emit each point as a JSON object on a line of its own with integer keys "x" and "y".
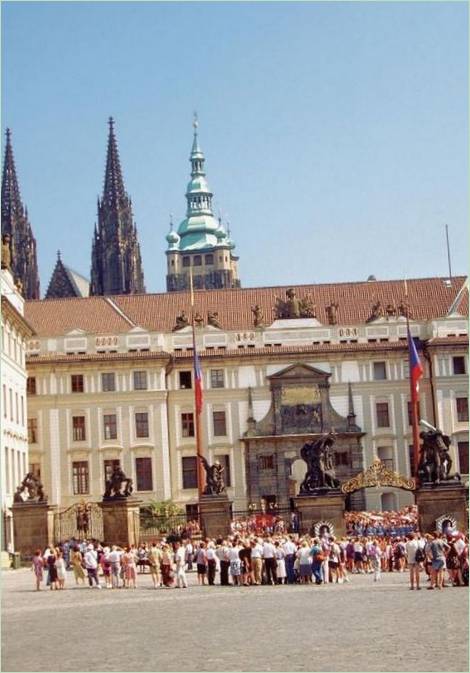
{"x": 251, "y": 561}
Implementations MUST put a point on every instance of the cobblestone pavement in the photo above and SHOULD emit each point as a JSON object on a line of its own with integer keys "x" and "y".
{"x": 360, "y": 626}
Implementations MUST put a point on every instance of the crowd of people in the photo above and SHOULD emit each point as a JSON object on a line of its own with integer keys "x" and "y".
{"x": 391, "y": 524}
{"x": 246, "y": 559}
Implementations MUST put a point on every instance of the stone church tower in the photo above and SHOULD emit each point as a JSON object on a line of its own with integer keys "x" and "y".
{"x": 116, "y": 265}
{"x": 201, "y": 244}
{"x": 15, "y": 224}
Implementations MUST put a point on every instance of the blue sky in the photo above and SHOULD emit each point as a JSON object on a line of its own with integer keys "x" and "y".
{"x": 335, "y": 134}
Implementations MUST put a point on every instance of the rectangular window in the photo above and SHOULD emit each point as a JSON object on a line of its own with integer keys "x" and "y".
{"x": 32, "y": 430}
{"x": 410, "y": 417}
{"x": 186, "y": 261}
{"x": 380, "y": 371}
{"x": 220, "y": 426}
{"x": 142, "y": 424}
{"x": 35, "y": 469}
{"x": 5, "y": 411}
{"x": 80, "y": 477}
{"x": 459, "y": 364}
{"x": 266, "y": 462}
{"x": 383, "y": 420}
{"x": 189, "y": 472}
{"x": 17, "y": 408}
{"x": 22, "y": 410}
{"x": 143, "y": 471}
{"x": 7, "y": 470}
{"x": 209, "y": 259}
{"x": 140, "y": 380}
{"x": 462, "y": 409}
{"x": 77, "y": 383}
{"x": 463, "y": 457}
{"x": 109, "y": 466}
{"x": 108, "y": 382}
{"x": 78, "y": 428}
{"x": 187, "y": 424}
{"x": 11, "y": 404}
{"x": 197, "y": 260}
{"x": 110, "y": 426}
{"x": 217, "y": 378}
{"x": 224, "y": 460}
{"x": 31, "y": 385}
{"x": 185, "y": 379}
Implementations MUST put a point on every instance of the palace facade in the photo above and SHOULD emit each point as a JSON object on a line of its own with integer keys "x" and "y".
{"x": 110, "y": 380}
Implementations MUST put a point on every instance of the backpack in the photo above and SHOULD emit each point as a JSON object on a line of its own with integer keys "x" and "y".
{"x": 419, "y": 556}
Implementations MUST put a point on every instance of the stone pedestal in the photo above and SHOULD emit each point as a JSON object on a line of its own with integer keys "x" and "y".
{"x": 121, "y": 521}
{"x": 441, "y": 501}
{"x": 321, "y": 508}
{"x": 33, "y": 527}
{"x": 215, "y": 515}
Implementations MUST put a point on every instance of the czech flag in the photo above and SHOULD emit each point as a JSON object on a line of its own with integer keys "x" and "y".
{"x": 197, "y": 382}
{"x": 416, "y": 368}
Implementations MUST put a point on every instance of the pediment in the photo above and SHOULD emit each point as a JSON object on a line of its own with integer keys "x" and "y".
{"x": 298, "y": 371}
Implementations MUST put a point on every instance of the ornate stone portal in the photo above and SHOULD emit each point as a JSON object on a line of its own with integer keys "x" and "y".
{"x": 300, "y": 413}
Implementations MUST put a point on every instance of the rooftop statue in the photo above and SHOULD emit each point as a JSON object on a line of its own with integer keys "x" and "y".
{"x": 331, "y": 312}
{"x": 292, "y": 307}
{"x": 213, "y": 319}
{"x": 6, "y": 252}
{"x": 181, "y": 321}
{"x": 258, "y": 317}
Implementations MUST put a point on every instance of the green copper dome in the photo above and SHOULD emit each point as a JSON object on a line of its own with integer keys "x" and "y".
{"x": 199, "y": 229}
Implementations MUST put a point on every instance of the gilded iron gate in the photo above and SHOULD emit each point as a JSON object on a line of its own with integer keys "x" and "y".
{"x": 84, "y": 520}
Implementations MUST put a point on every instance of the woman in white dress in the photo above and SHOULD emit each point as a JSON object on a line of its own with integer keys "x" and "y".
{"x": 281, "y": 564}
{"x": 61, "y": 571}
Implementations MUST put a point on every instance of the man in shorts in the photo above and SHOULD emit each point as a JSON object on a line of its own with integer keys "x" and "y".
{"x": 154, "y": 557}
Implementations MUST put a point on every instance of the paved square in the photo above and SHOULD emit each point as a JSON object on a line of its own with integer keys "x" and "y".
{"x": 357, "y": 627}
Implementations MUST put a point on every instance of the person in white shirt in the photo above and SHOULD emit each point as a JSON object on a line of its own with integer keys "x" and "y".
{"x": 290, "y": 550}
{"x": 269, "y": 556}
{"x": 211, "y": 563}
{"x": 411, "y": 548}
{"x": 91, "y": 564}
{"x": 115, "y": 560}
{"x": 180, "y": 562}
{"x": 256, "y": 561}
{"x": 189, "y": 555}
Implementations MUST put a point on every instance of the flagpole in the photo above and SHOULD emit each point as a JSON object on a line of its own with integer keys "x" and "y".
{"x": 414, "y": 397}
{"x": 197, "y": 417}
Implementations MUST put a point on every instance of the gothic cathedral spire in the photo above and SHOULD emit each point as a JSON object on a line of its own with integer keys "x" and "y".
{"x": 15, "y": 224}
{"x": 116, "y": 264}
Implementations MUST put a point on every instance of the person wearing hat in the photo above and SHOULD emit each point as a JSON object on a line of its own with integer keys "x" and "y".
{"x": 91, "y": 565}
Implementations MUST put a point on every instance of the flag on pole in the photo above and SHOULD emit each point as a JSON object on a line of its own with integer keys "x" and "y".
{"x": 197, "y": 381}
{"x": 416, "y": 368}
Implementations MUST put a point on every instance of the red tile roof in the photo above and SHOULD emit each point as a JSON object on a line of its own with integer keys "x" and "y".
{"x": 428, "y": 297}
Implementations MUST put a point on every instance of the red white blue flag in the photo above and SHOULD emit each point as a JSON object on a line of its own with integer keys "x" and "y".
{"x": 416, "y": 368}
